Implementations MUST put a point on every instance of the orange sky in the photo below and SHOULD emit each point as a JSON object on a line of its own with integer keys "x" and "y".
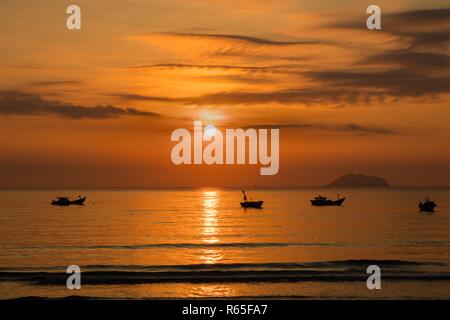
{"x": 96, "y": 107}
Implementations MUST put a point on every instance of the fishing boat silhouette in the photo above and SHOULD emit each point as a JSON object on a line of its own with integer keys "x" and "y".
{"x": 324, "y": 201}
{"x": 427, "y": 205}
{"x": 251, "y": 204}
{"x": 64, "y": 201}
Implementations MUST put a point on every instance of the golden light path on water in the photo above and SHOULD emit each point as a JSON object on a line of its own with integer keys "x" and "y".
{"x": 210, "y": 230}
{"x": 210, "y": 235}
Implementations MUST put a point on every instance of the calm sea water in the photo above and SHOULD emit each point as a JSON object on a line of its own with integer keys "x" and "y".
{"x": 199, "y": 243}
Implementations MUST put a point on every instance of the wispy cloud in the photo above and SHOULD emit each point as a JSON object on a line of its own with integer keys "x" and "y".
{"x": 416, "y": 17}
{"x": 175, "y": 66}
{"x": 333, "y": 87}
{"x": 300, "y": 95}
{"x": 423, "y": 28}
{"x": 395, "y": 83}
{"x": 409, "y": 58}
{"x": 416, "y": 68}
{"x": 235, "y": 39}
{"x": 26, "y": 104}
{"x": 305, "y": 96}
{"x": 420, "y": 28}
{"x": 193, "y": 45}
{"x": 53, "y": 83}
{"x": 347, "y": 127}
{"x": 138, "y": 97}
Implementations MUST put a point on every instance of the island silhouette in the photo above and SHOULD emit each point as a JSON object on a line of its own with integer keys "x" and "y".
{"x": 358, "y": 180}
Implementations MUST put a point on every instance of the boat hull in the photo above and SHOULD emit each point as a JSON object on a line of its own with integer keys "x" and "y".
{"x": 324, "y": 203}
{"x": 427, "y": 207}
{"x": 67, "y": 202}
{"x": 252, "y": 204}
{"x": 78, "y": 201}
{"x": 60, "y": 203}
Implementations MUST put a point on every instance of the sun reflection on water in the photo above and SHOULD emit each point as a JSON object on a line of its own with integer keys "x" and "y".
{"x": 213, "y": 290}
{"x": 210, "y": 229}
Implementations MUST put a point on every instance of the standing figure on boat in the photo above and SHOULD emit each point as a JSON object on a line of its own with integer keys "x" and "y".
{"x": 250, "y": 204}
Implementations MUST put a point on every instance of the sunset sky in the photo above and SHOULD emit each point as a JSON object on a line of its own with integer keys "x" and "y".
{"x": 96, "y": 107}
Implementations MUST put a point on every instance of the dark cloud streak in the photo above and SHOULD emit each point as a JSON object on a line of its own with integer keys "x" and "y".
{"x": 26, "y": 104}
{"x": 51, "y": 83}
{"x": 170, "y": 66}
{"x": 348, "y": 127}
{"x": 421, "y": 28}
{"x": 241, "y": 38}
{"x": 397, "y": 83}
{"x": 410, "y": 58}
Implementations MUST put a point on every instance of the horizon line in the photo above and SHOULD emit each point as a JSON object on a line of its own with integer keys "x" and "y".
{"x": 214, "y": 187}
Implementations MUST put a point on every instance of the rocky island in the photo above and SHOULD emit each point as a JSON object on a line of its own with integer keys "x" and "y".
{"x": 358, "y": 180}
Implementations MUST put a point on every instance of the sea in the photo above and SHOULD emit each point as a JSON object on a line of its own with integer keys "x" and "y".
{"x": 200, "y": 243}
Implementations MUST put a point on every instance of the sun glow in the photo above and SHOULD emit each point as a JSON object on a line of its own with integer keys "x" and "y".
{"x": 210, "y": 130}
{"x": 210, "y": 116}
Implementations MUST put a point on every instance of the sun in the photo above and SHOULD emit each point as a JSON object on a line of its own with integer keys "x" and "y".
{"x": 210, "y": 130}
